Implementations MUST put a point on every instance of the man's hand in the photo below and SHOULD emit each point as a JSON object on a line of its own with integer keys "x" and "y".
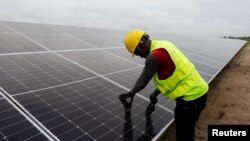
{"x": 126, "y": 95}
{"x": 123, "y": 98}
{"x": 153, "y": 99}
{"x": 151, "y": 106}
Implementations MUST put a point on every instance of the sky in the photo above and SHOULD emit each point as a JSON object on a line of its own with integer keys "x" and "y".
{"x": 199, "y": 17}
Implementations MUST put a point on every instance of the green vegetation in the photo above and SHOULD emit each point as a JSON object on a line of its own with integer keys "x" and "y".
{"x": 246, "y": 38}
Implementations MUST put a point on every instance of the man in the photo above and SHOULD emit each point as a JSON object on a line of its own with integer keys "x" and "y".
{"x": 174, "y": 76}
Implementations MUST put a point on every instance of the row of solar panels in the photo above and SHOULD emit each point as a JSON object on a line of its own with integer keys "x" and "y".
{"x": 65, "y": 82}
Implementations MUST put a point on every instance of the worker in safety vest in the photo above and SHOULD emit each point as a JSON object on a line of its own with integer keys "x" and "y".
{"x": 174, "y": 76}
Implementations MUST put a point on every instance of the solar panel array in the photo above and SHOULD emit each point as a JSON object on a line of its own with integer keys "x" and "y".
{"x": 14, "y": 126}
{"x": 62, "y": 82}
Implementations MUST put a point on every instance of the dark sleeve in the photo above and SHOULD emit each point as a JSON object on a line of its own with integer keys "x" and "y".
{"x": 148, "y": 72}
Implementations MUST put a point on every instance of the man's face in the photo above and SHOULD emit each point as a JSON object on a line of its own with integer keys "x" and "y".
{"x": 141, "y": 52}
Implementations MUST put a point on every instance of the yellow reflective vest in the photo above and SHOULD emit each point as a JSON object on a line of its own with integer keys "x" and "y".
{"x": 185, "y": 82}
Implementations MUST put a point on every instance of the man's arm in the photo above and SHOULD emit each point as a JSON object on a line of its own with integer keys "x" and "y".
{"x": 155, "y": 93}
{"x": 153, "y": 99}
{"x": 148, "y": 72}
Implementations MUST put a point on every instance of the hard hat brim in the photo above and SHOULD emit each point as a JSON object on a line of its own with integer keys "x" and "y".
{"x": 132, "y": 39}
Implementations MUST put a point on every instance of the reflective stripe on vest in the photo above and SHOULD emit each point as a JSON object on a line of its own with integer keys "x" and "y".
{"x": 185, "y": 81}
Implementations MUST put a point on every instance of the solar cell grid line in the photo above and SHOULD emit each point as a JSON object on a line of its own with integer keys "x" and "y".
{"x": 26, "y": 37}
{"x": 18, "y": 68}
{"x": 20, "y": 45}
{"x": 208, "y": 79}
{"x": 70, "y": 50}
{"x": 205, "y": 73}
{"x": 71, "y": 36}
{"x": 128, "y": 78}
{"x": 204, "y": 68}
{"x": 116, "y": 55}
{"x": 30, "y": 27}
{"x": 224, "y": 65}
{"x": 218, "y": 48}
{"x": 120, "y": 110}
{"x": 94, "y": 46}
{"x": 16, "y": 124}
{"x": 94, "y": 98}
{"x": 109, "y": 87}
{"x": 10, "y": 81}
{"x": 23, "y": 53}
{"x": 54, "y": 86}
{"x": 101, "y": 31}
{"x": 59, "y": 71}
{"x": 31, "y": 72}
{"x": 148, "y": 90}
{"x": 119, "y": 85}
{"x": 99, "y": 61}
{"x": 92, "y": 40}
{"x": 76, "y": 38}
{"x": 212, "y": 45}
{"x": 124, "y": 53}
{"x": 68, "y": 83}
{"x": 58, "y": 41}
{"x": 2, "y": 137}
{"x": 125, "y": 79}
{"x": 55, "y": 121}
{"x": 111, "y": 38}
{"x": 216, "y": 56}
{"x": 125, "y": 70}
{"x": 203, "y": 62}
{"x": 109, "y": 34}
{"x": 72, "y": 30}
{"x": 210, "y": 62}
{"x": 84, "y": 30}
{"x": 31, "y": 39}
{"x": 64, "y": 127}
{"x": 111, "y": 81}
{"x": 98, "y": 41}
{"x": 231, "y": 46}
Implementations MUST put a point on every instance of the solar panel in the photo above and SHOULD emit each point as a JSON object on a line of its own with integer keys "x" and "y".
{"x": 59, "y": 41}
{"x": 128, "y": 79}
{"x": 26, "y": 72}
{"x": 29, "y": 28}
{"x": 88, "y": 108}
{"x": 20, "y": 45}
{"x": 99, "y": 61}
{"x": 124, "y": 53}
{"x": 69, "y": 78}
{"x": 99, "y": 41}
{"x": 14, "y": 126}
{"x": 114, "y": 35}
{"x": 93, "y": 36}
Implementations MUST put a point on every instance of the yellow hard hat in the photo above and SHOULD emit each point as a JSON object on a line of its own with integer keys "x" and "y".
{"x": 132, "y": 39}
